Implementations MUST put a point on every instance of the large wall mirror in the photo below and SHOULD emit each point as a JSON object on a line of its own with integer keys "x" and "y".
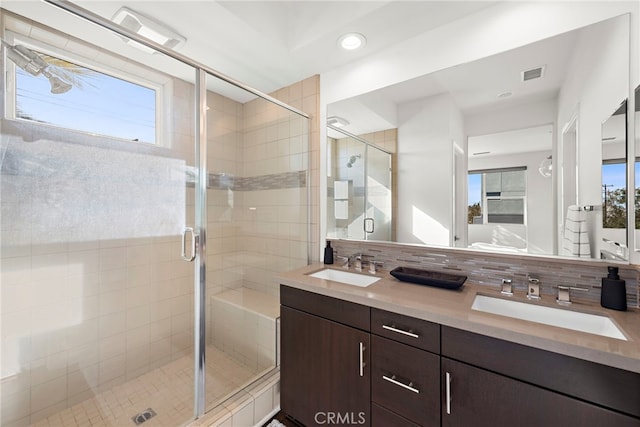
{"x": 520, "y": 152}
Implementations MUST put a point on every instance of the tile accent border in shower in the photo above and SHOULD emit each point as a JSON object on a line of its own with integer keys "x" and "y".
{"x": 277, "y": 181}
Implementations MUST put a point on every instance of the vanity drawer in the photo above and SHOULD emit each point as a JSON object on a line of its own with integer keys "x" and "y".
{"x": 405, "y": 380}
{"x": 382, "y": 417}
{"x": 337, "y": 310}
{"x": 409, "y": 330}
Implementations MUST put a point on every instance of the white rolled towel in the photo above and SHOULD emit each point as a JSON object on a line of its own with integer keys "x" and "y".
{"x": 576, "y": 233}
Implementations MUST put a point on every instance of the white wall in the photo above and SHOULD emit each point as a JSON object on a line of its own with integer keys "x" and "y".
{"x": 512, "y": 118}
{"x": 425, "y": 169}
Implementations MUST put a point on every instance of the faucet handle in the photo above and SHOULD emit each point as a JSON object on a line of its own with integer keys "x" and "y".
{"x": 533, "y": 291}
{"x": 564, "y": 293}
{"x": 365, "y": 259}
{"x": 344, "y": 261}
{"x": 507, "y": 287}
{"x": 373, "y": 265}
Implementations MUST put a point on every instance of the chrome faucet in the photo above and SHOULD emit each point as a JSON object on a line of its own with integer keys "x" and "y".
{"x": 373, "y": 265}
{"x": 357, "y": 261}
{"x": 564, "y": 294}
{"x": 533, "y": 291}
{"x": 507, "y": 287}
{"x": 344, "y": 261}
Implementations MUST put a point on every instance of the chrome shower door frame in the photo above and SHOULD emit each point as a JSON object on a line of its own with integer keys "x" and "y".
{"x": 200, "y": 284}
{"x": 200, "y": 159}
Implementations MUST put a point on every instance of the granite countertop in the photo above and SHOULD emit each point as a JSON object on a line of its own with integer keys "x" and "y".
{"x": 453, "y": 308}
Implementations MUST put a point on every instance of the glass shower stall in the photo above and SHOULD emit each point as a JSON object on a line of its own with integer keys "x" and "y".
{"x": 360, "y": 194}
{"x": 146, "y": 207}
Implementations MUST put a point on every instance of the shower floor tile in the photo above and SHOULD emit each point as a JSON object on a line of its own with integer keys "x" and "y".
{"x": 167, "y": 390}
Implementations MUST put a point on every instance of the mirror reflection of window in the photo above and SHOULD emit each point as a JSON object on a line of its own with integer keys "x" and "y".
{"x": 474, "y": 186}
{"x": 614, "y": 194}
{"x": 501, "y": 199}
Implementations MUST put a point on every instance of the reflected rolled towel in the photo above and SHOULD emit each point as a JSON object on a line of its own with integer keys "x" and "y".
{"x": 341, "y": 209}
{"x": 575, "y": 240}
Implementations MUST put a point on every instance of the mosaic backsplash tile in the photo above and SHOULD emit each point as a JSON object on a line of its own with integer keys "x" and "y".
{"x": 489, "y": 269}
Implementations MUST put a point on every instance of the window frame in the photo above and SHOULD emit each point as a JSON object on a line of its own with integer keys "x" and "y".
{"x": 161, "y": 84}
{"x": 485, "y": 198}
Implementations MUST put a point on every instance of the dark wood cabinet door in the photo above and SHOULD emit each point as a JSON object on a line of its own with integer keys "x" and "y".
{"x": 350, "y": 391}
{"x": 325, "y": 371}
{"x": 304, "y": 369}
{"x": 481, "y": 398}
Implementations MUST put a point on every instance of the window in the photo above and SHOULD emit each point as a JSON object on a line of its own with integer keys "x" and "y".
{"x": 614, "y": 194}
{"x": 497, "y": 196}
{"x": 103, "y": 100}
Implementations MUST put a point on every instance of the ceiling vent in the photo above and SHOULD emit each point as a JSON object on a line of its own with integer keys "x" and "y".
{"x": 533, "y": 73}
{"x": 148, "y": 28}
{"x": 337, "y": 121}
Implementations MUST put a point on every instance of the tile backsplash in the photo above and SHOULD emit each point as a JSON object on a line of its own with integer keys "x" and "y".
{"x": 489, "y": 269}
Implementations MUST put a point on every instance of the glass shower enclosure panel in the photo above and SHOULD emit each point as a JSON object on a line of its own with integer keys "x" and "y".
{"x": 377, "y": 222}
{"x": 257, "y": 226}
{"x": 97, "y": 184}
{"x": 345, "y": 186}
{"x": 359, "y": 189}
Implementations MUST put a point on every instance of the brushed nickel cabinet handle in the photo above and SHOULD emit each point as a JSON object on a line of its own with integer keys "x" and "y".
{"x": 448, "y": 392}
{"x": 362, "y": 363}
{"x": 400, "y": 331}
{"x": 393, "y": 380}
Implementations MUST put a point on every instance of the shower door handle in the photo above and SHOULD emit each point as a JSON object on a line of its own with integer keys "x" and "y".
{"x": 369, "y": 225}
{"x": 194, "y": 238}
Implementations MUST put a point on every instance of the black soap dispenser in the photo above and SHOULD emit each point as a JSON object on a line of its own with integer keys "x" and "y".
{"x": 614, "y": 292}
{"x": 328, "y": 253}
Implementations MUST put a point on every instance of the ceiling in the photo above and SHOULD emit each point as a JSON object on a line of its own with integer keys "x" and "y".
{"x": 474, "y": 87}
{"x": 266, "y": 44}
{"x": 537, "y": 138}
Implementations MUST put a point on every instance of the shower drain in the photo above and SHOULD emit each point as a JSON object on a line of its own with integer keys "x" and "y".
{"x": 143, "y": 416}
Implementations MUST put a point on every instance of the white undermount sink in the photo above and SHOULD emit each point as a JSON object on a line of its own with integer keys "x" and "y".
{"x": 345, "y": 277}
{"x": 568, "y": 319}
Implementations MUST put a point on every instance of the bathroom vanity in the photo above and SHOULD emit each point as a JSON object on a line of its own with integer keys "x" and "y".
{"x": 399, "y": 354}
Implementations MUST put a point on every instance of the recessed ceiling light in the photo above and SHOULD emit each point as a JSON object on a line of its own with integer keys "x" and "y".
{"x": 352, "y": 41}
{"x": 505, "y": 94}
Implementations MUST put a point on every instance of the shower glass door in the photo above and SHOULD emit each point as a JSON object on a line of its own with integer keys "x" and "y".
{"x": 359, "y": 188}
{"x": 97, "y": 183}
{"x": 119, "y": 166}
{"x": 377, "y": 223}
{"x": 257, "y": 226}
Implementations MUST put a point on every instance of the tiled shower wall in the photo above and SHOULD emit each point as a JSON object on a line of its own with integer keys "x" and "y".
{"x": 258, "y": 201}
{"x": 94, "y": 292}
{"x": 489, "y": 269}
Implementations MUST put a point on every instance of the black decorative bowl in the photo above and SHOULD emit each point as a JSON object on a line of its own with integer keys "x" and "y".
{"x": 429, "y": 278}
